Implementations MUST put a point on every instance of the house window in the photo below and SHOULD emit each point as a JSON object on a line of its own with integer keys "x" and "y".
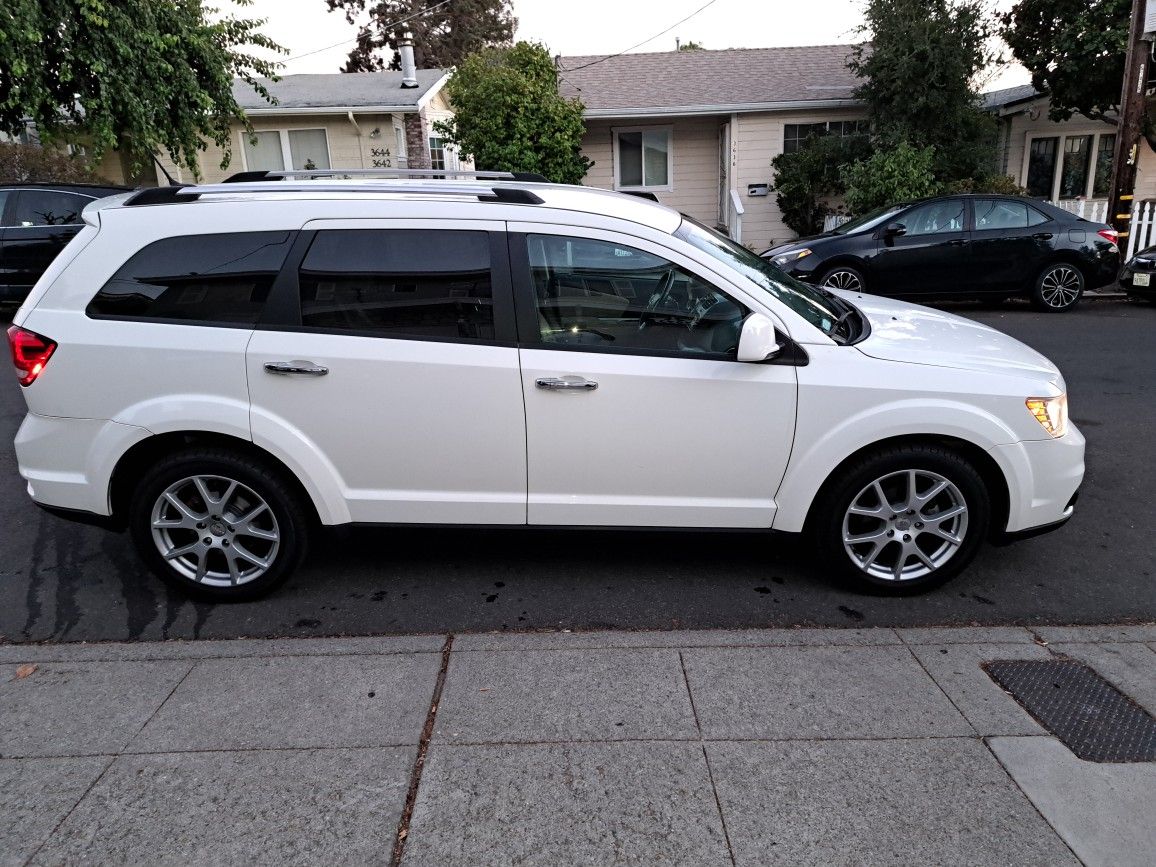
{"x": 795, "y": 134}
{"x": 643, "y": 158}
{"x": 1070, "y": 166}
{"x": 279, "y": 149}
{"x": 437, "y": 154}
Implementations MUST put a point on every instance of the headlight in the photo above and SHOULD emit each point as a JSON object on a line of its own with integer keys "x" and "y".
{"x": 1051, "y": 413}
{"x": 793, "y": 256}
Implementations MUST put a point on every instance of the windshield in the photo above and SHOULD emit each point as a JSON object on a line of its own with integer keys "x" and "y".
{"x": 822, "y": 311}
{"x": 869, "y": 220}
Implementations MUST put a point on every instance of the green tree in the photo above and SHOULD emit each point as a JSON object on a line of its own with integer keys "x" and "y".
{"x": 509, "y": 115}
{"x": 901, "y": 173}
{"x": 134, "y": 75}
{"x": 805, "y": 178}
{"x": 1075, "y": 51}
{"x": 919, "y": 64}
{"x": 442, "y": 37}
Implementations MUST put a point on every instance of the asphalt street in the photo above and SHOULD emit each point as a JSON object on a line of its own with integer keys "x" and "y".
{"x": 64, "y": 582}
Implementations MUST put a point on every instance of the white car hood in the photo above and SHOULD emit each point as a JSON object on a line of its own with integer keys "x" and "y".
{"x": 920, "y": 335}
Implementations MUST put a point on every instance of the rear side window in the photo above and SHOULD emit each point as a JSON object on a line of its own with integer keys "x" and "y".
{"x": 215, "y": 279}
{"x": 1004, "y": 214}
{"x": 432, "y": 283}
{"x": 48, "y": 208}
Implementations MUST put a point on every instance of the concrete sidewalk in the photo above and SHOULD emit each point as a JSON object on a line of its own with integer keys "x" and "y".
{"x": 789, "y": 747}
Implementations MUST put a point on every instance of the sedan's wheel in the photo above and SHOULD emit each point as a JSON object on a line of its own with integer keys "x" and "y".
{"x": 1058, "y": 288}
{"x": 902, "y": 520}
{"x": 218, "y": 525}
{"x": 843, "y": 277}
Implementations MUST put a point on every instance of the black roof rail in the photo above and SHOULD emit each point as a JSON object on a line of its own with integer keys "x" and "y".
{"x": 515, "y": 196}
{"x": 530, "y": 177}
{"x": 249, "y": 177}
{"x": 650, "y": 197}
{"x": 160, "y": 196}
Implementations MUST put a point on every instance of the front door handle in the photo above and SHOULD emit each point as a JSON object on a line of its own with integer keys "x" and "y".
{"x": 956, "y": 242}
{"x": 295, "y": 368}
{"x": 566, "y": 383}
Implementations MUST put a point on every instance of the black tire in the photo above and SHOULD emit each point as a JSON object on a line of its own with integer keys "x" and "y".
{"x": 1058, "y": 288}
{"x": 286, "y": 518}
{"x": 844, "y": 277}
{"x": 825, "y": 525}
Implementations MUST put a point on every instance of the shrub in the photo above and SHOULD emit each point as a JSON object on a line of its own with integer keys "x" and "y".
{"x": 26, "y": 163}
{"x": 803, "y": 179}
{"x": 898, "y": 174}
{"x": 999, "y": 184}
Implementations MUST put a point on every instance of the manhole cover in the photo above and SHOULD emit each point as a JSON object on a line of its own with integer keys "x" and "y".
{"x": 1095, "y": 720}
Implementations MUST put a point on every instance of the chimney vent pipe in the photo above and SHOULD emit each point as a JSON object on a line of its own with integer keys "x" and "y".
{"x": 408, "y": 66}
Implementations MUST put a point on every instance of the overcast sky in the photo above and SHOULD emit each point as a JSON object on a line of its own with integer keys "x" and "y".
{"x": 605, "y": 27}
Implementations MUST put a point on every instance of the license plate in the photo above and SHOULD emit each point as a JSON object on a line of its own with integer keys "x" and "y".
{"x": 1141, "y": 279}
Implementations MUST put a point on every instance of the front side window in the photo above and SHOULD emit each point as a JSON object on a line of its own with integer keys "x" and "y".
{"x": 4, "y": 196}
{"x": 935, "y": 218}
{"x": 643, "y": 159}
{"x": 594, "y": 293}
{"x": 205, "y": 278}
{"x": 399, "y": 283}
{"x": 48, "y": 208}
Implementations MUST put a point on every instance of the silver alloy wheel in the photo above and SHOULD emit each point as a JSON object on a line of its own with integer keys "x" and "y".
{"x": 1060, "y": 287}
{"x": 215, "y": 530}
{"x": 841, "y": 278}
{"x": 905, "y": 525}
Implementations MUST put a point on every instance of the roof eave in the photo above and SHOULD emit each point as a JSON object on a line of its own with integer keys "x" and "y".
{"x": 281, "y": 110}
{"x": 736, "y": 108}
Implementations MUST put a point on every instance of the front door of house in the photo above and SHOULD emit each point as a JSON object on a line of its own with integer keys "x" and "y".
{"x": 724, "y": 174}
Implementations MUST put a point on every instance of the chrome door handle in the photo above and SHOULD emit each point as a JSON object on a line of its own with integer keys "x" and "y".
{"x": 566, "y": 383}
{"x": 296, "y": 368}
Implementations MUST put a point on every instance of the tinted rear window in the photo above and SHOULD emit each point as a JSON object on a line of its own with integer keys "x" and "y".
{"x": 429, "y": 283}
{"x": 205, "y": 278}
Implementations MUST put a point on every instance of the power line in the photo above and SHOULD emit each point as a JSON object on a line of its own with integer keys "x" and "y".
{"x": 388, "y": 26}
{"x": 644, "y": 41}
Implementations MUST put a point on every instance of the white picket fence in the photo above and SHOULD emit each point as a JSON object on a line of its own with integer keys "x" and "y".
{"x": 1142, "y": 228}
{"x": 832, "y": 220}
{"x": 1095, "y": 210}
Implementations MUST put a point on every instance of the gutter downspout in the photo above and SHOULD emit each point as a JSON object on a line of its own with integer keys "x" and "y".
{"x": 357, "y": 130}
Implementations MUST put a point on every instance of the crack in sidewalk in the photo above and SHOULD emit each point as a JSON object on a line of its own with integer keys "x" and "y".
{"x": 419, "y": 762}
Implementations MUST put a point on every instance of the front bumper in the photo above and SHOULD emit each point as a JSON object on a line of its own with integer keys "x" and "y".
{"x": 1127, "y": 281}
{"x": 1043, "y": 478}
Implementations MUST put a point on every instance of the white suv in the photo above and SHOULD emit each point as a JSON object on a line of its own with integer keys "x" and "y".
{"x": 221, "y": 368}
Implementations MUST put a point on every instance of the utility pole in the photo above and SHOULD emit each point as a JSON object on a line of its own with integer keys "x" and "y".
{"x": 1132, "y": 110}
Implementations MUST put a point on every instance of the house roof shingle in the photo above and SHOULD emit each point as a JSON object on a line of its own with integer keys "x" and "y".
{"x": 312, "y": 92}
{"x": 672, "y": 80}
{"x": 1009, "y": 96}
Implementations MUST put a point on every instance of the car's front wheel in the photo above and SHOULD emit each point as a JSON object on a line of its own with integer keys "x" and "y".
{"x": 902, "y": 520}
{"x": 844, "y": 277}
{"x": 1058, "y": 287}
{"x": 218, "y": 525}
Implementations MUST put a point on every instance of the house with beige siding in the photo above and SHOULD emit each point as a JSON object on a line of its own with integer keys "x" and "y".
{"x": 356, "y": 120}
{"x": 699, "y": 129}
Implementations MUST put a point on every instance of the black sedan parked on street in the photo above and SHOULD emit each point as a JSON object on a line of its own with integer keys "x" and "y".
{"x": 36, "y": 222}
{"x": 1138, "y": 278}
{"x": 965, "y": 246}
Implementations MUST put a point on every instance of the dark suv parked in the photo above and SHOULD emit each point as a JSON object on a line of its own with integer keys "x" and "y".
{"x": 970, "y": 246}
{"x": 36, "y": 221}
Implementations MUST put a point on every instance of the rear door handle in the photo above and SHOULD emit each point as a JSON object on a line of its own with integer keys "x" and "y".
{"x": 956, "y": 242}
{"x": 1043, "y": 236}
{"x": 566, "y": 383}
{"x": 295, "y": 368}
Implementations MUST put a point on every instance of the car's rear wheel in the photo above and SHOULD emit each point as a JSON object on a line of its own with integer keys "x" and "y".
{"x": 844, "y": 277}
{"x": 1058, "y": 287}
{"x": 218, "y": 525}
{"x": 902, "y": 520}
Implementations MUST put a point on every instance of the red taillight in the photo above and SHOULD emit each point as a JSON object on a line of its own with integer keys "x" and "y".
{"x": 30, "y": 352}
{"x": 1109, "y": 235}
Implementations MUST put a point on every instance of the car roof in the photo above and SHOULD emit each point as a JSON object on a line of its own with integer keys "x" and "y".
{"x": 529, "y": 195}
{"x": 69, "y": 188}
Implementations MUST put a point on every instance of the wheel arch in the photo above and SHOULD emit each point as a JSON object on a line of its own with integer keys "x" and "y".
{"x": 994, "y": 479}
{"x": 134, "y": 463}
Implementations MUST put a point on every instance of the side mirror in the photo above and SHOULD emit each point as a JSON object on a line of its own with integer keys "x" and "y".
{"x": 894, "y": 230}
{"x": 757, "y": 339}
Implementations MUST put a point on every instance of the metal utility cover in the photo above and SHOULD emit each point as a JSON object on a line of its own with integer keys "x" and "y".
{"x": 1094, "y": 720}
